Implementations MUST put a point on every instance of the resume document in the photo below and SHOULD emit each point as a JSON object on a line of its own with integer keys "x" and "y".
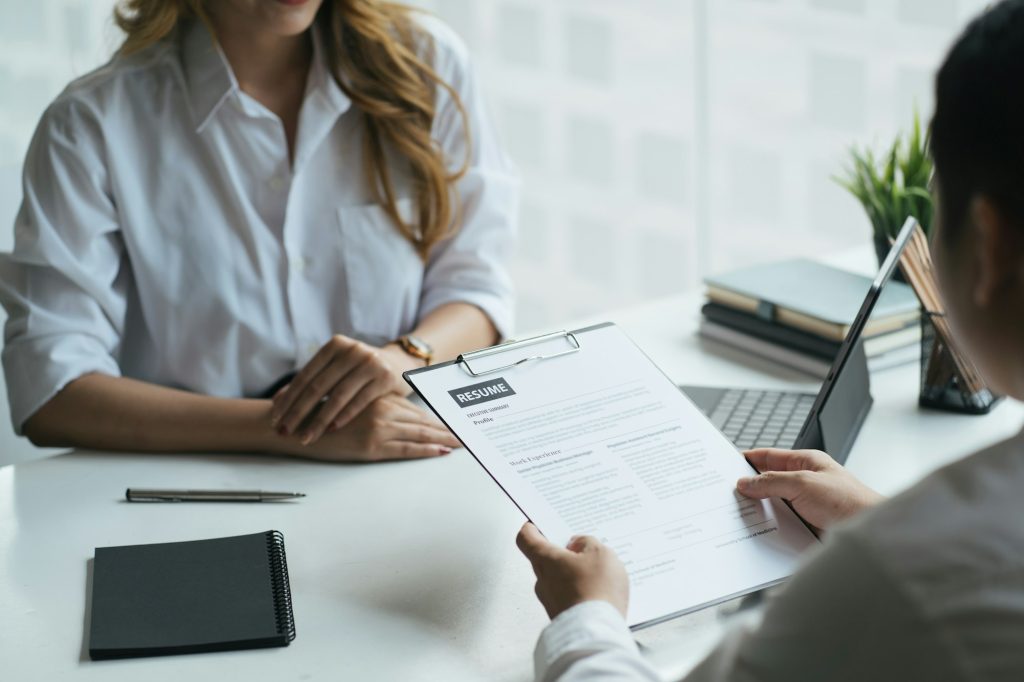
{"x": 600, "y": 442}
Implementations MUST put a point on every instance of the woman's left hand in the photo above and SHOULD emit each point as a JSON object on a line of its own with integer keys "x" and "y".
{"x": 347, "y": 375}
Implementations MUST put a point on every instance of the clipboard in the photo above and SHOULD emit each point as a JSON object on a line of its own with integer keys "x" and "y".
{"x": 466, "y": 361}
{"x": 570, "y": 337}
{"x": 585, "y": 434}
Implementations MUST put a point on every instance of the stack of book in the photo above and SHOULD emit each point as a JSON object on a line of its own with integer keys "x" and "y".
{"x": 798, "y": 312}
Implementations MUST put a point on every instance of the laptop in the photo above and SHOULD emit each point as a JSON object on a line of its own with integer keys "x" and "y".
{"x": 829, "y": 420}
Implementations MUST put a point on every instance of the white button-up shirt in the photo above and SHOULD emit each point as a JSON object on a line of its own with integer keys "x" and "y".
{"x": 165, "y": 236}
{"x": 928, "y": 586}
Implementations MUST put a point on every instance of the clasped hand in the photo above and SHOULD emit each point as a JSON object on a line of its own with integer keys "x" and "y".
{"x": 348, "y": 402}
{"x": 338, "y": 383}
{"x": 818, "y": 487}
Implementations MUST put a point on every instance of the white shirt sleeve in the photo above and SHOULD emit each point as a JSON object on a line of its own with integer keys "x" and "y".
{"x": 470, "y": 266}
{"x": 842, "y": 618}
{"x": 64, "y": 283}
{"x": 589, "y": 642}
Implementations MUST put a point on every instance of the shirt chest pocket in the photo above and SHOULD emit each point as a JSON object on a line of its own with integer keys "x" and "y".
{"x": 383, "y": 272}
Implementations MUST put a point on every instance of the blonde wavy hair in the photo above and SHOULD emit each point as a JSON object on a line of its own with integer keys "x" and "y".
{"x": 372, "y": 51}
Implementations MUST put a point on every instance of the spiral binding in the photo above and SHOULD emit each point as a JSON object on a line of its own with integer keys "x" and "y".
{"x": 279, "y": 584}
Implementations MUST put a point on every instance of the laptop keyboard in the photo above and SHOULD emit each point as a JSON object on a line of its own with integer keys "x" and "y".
{"x": 763, "y": 419}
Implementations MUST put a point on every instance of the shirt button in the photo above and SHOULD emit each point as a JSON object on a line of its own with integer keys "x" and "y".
{"x": 311, "y": 349}
{"x": 298, "y": 264}
{"x": 276, "y": 184}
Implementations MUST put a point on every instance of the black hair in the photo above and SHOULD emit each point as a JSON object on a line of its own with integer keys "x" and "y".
{"x": 977, "y": 133}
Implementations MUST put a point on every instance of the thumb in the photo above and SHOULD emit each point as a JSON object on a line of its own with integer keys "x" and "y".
{"x": 533, "y": 544}
{"x": 785, "y": 484}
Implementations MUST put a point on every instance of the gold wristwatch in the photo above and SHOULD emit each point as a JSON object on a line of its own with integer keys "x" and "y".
{"x": 416, "y": 347}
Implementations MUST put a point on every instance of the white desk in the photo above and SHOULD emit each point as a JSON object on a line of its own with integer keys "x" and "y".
{"x": 404, "y": 571}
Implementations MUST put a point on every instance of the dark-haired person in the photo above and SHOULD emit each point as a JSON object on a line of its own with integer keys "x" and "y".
{"x": 240, "y": 231}
{"x": 929, "y": 585}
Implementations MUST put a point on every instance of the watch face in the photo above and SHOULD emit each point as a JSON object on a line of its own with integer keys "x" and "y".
{"x": 419, "y": 345}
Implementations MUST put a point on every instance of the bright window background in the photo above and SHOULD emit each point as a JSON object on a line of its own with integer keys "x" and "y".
{"x": 658, "y": 140}
{"x": 662, "y": 140}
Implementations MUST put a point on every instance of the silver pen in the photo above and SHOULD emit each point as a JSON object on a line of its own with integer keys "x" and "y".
{"x": 156, "y": 495}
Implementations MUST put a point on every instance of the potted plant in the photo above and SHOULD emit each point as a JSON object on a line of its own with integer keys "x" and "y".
{"x": 893, "y": 186}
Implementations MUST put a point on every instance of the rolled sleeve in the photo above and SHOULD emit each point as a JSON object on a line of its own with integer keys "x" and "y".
{"x": 63, "y": 285}
{"x": 589, "y": 642}
{"x": 37, "y": 369}
{"x": 471, "y": 265}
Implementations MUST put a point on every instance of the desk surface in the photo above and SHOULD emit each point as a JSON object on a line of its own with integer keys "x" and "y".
{"x": 399, "y": 571}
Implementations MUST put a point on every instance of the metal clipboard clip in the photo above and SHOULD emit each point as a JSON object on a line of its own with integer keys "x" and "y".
{"x": 466, "y": 358}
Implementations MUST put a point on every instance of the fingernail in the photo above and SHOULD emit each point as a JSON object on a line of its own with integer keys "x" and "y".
{"x": 306, "y": 438}
{"x": 444, "y": 449}
{"x": 743, "y": 482}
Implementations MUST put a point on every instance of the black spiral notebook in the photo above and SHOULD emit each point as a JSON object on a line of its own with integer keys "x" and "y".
{"x": 191, "y": 597}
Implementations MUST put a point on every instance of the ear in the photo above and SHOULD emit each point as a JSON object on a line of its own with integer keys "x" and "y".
{"x": 996, "y": 251}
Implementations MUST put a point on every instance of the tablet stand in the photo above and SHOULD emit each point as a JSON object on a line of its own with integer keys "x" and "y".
{"x": 942, "y": 386}
{"x": 949, "y": 378}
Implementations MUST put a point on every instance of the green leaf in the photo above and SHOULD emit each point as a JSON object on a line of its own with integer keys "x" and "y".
{"x": 920, "y": 193}
{"x": 896, "y": 185}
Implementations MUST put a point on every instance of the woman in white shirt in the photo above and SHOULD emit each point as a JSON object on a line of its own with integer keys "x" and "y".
{"x": 928, "y": 585}
{"x": 250, "y": 189}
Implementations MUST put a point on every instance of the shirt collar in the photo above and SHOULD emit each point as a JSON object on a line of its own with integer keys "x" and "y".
{"x": 208, "y": 75}
{"x": 210, "y": 80}
{"x": 322, "y": 82}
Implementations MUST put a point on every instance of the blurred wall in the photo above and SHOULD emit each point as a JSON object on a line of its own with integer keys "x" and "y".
{"x": 661, "y": 140}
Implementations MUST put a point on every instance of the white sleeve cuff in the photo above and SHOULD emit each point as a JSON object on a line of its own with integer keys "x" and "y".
{"x": 593, "y": 630}
{"x": 39, "y": 368}
{"x": 496, "y": 306}
{"x": 471, "y": 265}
